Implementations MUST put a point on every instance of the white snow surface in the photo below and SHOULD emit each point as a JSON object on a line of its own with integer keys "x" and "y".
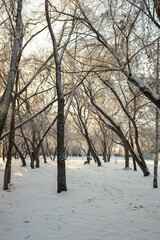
{"x": 102, "y": 203}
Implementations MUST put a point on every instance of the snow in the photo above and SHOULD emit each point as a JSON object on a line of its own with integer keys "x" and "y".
{"x": 102, "y": 203}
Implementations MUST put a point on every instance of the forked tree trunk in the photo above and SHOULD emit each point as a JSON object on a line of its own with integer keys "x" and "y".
{"x": 109, "y": 152}
{"x": 61, "y": 171}
{"x": 43, "y": 153}
{"x": 92, "y": 150}
{"x": 135, "y": 156}
{"x": 7, "y": 95}
{"x": 35, "y": 155}
{"x": 55, "y": 154}
{"x": 108, "y": 156}
{"x": 142, "y": 162}
{"x": 138, "y": 146}
{"x": 116, "y": 128}
{"x": 132, "y": 145}
{"x": 20, "y": 154}
{"x": 48, "y": 150}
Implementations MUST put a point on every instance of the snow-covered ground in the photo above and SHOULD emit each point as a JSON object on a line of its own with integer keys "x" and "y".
{"x": 102, "y": 203}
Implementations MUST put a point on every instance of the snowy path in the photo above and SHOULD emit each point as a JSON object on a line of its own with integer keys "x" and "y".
{"x": 105, "y": 203}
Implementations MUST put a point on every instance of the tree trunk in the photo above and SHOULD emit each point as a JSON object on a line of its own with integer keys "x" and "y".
{"x": 31, "y": 154}
{"x": 35, "y": 155}
{"x": 48, "y": 150}
{"x": 20, "y": 154}
{"x": 88, "y": 157}
{"x": 116, "y": 128}
{"x": 109, "y": 152}
{"x": 132, "y": 145}
{"x": 55, "y": 153}
{"x": 92, "y": 149}
{"x": 4, "y": 149}
{"x": 138, "y": 146}
{"x": 3, "y": 153}
{"x": 126, "y": 156}
{"x": 134, "y": 164}
{"x": 7, "y": 174}
{"x": 156, "y": 160}
{"x": 104, "y": 152}
{"x": 93, "y": 152}
{"x": 157, "y": 8}
{"x": 6, "y": 97}
{"x": 61, "y": 171}
{"x": 134, "y": 155}
{"x": 43, "y": 153}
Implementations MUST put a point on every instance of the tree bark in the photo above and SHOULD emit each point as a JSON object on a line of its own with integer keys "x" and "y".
{"x": 20, "y": 154}
{"x": 88, "y": 156}
{"x": 43, "y": 153}
{"x": 156, "y": 160}
{"x": 157, "y": 8}
{"x": 7, "y": 174}
{"x": 6, "y": 97}
{"x": 126, "y": 156}
{"x": 61, "y": 173}
{"x": 104, "y": 151}
{"x": 55, "y": 153}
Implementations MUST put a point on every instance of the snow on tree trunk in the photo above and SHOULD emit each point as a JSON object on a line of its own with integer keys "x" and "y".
{"x": 7, "y": 173}
{"x": 155, "y": 179}
{"x": 61, "y": 174}
{"x": 6, "y": 97}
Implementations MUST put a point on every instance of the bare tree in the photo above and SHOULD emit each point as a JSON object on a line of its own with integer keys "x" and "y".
{"x": 60, "y": 121}
{"x": 117, "y": 129}
{"x": 106, "y": 140}
{"x": 122, "y": 65}
{"x": 84, "y": 130}
{"x": 6, "y": 97}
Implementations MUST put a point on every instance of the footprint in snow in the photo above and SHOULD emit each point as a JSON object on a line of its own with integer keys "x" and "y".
{"x": 26, "y": 221}
{"x": 27, "y": 237}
